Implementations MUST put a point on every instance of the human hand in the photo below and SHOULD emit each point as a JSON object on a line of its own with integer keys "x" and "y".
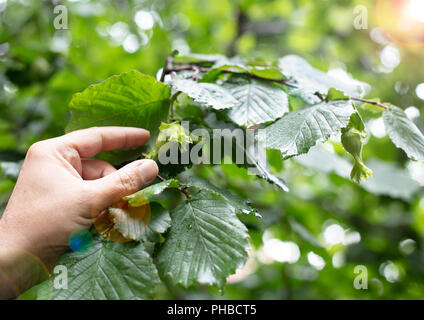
{"x": 60, "y": 191}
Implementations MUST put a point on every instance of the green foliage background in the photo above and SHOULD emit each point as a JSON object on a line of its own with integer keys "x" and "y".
{"x": 40, "y": 69}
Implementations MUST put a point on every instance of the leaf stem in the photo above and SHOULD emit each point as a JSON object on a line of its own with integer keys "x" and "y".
{"x": 319, "y": 95}
{"x": 180, "y": 189}
{"x": 183, "y": 191}
{"x": 171, "y": 105}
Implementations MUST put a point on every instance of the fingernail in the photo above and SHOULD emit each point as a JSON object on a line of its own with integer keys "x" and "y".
{"x": 149, "y": 170}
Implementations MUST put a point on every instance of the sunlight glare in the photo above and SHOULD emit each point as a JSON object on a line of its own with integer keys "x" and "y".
{"x": 415, "y": 10}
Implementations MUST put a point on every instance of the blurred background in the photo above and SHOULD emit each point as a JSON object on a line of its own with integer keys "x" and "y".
{"x": 309, "y": 241}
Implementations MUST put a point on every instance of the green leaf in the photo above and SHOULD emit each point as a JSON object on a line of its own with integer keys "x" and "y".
{"x": 130, "y": 222}
{"x": 188, "y": 111}
{"x": 206, "y": 242}
{"x": 404, "y": 133}
{"x": 357, "y": 123}
{"x": 311, "y": 79}
{"x": 150, "y": 193}
{"x": 160, "y": 222}
{"x": 239, "y": 205}
{"x": 303, "y": 97}
{"x": 130, "y": 99}
{"x": 271, "y": 73}
{"x": 209, "y": 94}
{"x": 263, "y": 169}
{"x": 109, "y": 270}
{"x": 213, "y": 74}
{"x": 296, "y": 132}
{"x": 334, "y": 94}
{"x": 259, "y": 101}
{"x": 133, "y": 216}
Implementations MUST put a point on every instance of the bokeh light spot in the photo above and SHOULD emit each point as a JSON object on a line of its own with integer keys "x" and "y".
{"x": 144, "y": 20}
{"x": 334, "y": 234}
{"x": 316, "y": 261}
{"x": 131, "y": 43}
{"x": 420, "y": 91}
{"x": 282, "y": 251}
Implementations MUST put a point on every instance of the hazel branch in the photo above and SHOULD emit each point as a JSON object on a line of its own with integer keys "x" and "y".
{"x": 170, "y": 67}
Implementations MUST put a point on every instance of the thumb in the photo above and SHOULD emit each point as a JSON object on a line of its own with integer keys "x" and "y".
{"x": 123, "y": 182}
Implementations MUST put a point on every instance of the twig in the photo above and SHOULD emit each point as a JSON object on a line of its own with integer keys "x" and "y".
{"x": 375, "y": 103}
{"x": 205, "y": 69}
{"x": 168, "y": 64}
{"x": 183, "y": 67}
{"x": 171, "y": 68}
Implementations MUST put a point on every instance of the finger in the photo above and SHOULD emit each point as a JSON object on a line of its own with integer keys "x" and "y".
{"x": 90, "y": 142}
{"x": 123, "y": 182}
{"x": 96, "y": 169}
